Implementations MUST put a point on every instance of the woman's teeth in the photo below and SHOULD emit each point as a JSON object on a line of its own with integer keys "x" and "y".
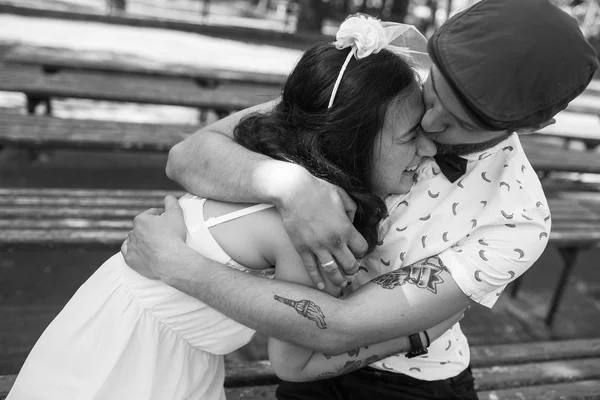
{"x": 411, "y": 169}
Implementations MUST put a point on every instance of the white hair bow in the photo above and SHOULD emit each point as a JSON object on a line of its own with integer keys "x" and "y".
{"x": 367, "y": 35}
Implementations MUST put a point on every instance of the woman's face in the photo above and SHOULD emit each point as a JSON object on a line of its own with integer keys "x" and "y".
{"x": 399, "y": 147}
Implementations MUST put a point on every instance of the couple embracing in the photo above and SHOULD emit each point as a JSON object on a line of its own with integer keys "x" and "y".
{"x": 352, "y": 221}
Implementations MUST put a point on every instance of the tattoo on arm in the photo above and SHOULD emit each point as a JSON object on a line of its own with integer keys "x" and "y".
{"x": 424, "y": 274}
{"x": 307, "y": 309}
{"x": 353, "y": 365}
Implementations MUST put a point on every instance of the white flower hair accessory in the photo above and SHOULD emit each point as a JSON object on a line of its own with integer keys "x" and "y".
{"x": 366, "y": 35}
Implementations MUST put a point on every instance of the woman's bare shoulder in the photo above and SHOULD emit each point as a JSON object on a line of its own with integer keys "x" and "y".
{"x": 255, "y": 240}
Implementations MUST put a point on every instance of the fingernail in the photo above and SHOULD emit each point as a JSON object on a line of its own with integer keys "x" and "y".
{"x": 321, "y": 285}
{"x": 345, "y": 283}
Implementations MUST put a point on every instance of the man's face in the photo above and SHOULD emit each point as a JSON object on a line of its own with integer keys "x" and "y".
{"x": 447, "y": 123}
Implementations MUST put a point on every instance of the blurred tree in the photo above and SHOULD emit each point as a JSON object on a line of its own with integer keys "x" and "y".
{"x": 116, "y": 5}
{"x": 398, "y": 10}
{"x": 311, "y": 15}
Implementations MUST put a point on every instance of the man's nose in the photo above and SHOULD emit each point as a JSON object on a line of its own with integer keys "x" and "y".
{"x": 425, "y": 147}
{"x": 433, "y": 121}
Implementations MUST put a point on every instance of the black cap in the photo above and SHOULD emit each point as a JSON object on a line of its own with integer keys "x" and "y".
{"x": 513, "y": 63}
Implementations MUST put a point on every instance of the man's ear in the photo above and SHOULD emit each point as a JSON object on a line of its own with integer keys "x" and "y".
{"x": 535, "y": 128}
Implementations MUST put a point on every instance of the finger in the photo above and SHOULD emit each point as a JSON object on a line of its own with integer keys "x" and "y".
{"x": 357, "y": 244}
{"x": 329, "y": 266}
{"x": 150, "y": 212}
{"x": 172, "y": 205}
{"x": 312, "y": 269}
{"x": 349, "y": 204}
{"x": 345, "y": 260}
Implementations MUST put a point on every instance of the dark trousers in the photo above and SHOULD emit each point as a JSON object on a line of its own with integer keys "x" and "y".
{"x": 370, "y": 383}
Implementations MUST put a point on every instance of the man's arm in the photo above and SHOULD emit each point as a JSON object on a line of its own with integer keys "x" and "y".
{"x": 296, "y": 364}
{"x": 211, "y": 164}
{"x": 388, "y": 307}
{"x": 317, "y": 215}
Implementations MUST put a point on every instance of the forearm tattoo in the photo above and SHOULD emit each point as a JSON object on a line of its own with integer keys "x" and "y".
{"x": 424, "y": 274}
{"x": 353, "y": 365}
{"x": 307, "y": 309}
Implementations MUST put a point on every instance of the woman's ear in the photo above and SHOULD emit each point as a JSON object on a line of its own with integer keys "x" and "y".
{"x": 535, "y": 128}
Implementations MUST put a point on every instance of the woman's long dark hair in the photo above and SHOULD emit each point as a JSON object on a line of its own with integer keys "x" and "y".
{"x": 333, "y": 144}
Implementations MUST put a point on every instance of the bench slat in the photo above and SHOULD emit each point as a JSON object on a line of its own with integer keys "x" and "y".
{"x": 581, "y": 390}
{"x": 131, "y": 88}
{"x": 39, "y": 216}
{"x": 47, "y": 132}
{"x": 62, "y": 192}
{"x": 43, "y": 131}
{"x": 485, "y": 356}
{"x": 517, "y": 363}
{"x": 95, "y": 61}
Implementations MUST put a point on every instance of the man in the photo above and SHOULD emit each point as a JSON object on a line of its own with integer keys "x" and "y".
{"x": 470, "y": 225}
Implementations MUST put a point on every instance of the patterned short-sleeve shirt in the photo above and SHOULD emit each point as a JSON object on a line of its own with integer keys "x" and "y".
{"x": 488, "y": 228}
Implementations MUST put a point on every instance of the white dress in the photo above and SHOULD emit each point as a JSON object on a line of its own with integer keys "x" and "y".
{"x": 123, "y": 336}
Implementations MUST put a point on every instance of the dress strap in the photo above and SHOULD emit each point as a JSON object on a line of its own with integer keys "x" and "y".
{"x": 236, "y": 214}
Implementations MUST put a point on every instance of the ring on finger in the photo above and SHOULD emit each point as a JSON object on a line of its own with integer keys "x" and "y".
{"x": 328, "y": 264}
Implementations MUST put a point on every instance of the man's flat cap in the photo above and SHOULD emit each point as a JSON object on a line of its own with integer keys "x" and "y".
{"x": 513, "y": 63}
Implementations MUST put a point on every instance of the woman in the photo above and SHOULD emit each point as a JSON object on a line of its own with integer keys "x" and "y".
{"x": 351, "y": 122}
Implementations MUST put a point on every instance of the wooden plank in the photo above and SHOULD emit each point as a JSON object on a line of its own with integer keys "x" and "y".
{"x": 62, "y": 192}
{"x": 132, "y": 88}
{"x": 55, "y": 58}
{"x": 36, "y": 239}
{"x": 75, "y": 217}
{"x": 502, "y": 377}
{"x": 546, "y": 158}
{"x": 251, "y": 393}
{"x": 581, "y": 390}
{"x": 42, "y": 131}
{"x": 48, "y": 132}
{"x": 485, "y": 356}
{"x": 6, "y": 382}
{"x": 295, "y": 40}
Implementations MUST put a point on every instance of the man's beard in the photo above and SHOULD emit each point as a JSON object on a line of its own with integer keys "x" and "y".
{"x": 468, "y": 148}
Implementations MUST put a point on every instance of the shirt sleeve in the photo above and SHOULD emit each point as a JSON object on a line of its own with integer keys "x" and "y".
{"x": 493, "y": 255}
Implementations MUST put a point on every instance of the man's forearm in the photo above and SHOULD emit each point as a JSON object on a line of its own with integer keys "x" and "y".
{"x": 304, "y": 316}
{"x": 211, "y": 164}
{"x": 287, "y": 311}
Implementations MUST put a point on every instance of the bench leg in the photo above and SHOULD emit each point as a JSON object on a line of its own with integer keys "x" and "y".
{"x": 34, "y": 101}
{"x": 569, "y": 256}
{"x": 514, "y": 287}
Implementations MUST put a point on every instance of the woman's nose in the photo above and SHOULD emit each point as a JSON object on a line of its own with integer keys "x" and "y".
{"x": 433, "y": 120}
{"x": 425, "y": 147}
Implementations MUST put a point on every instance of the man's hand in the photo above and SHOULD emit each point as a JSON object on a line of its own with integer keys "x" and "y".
{"x": 157, "y": 239}
{"x": 318, "y": 219}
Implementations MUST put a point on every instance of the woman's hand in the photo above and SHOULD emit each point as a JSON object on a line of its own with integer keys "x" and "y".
{"x": 318, "y": 219}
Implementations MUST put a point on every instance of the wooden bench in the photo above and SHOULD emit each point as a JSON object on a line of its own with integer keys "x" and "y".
{"x": 35, "y": 131}
{"x": 565, "y": 370}
{"x": 54, "y": 59}
{"x": 36, "y": 219}
{"x": 42, "y": 85}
